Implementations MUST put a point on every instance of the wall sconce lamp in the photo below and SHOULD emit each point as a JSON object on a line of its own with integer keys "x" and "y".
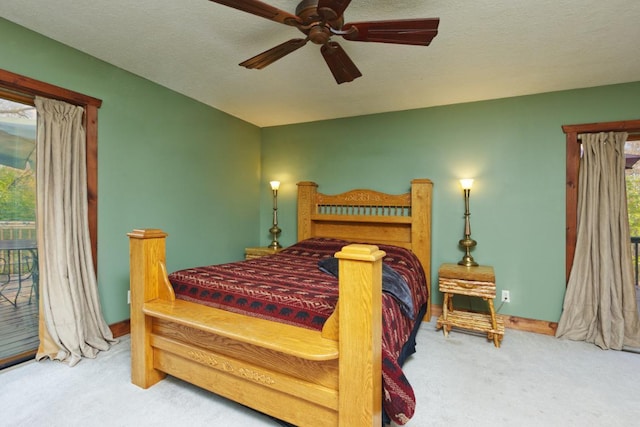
{"x": 467, "y": 243}
{"x": 275, "y": 230}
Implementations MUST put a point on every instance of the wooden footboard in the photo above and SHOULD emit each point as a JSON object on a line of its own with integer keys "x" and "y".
{"x": 304, "y": 377}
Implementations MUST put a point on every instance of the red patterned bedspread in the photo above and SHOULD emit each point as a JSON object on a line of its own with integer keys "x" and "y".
{"x": 290, "y": 288}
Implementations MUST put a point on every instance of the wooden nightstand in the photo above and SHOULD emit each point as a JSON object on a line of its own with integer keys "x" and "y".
{"x": 480, "y": 281}
{"x": 257, "y": 252}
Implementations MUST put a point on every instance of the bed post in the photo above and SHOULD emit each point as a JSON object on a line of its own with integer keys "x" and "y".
{"x": 146, "y": 262}
{"x": 306, "y": 195}
{"x": 421, "y": 194}
{"x": 360, "y": 343}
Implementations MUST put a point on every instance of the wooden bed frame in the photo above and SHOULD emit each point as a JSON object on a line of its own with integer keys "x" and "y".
{"x": 304, "y": 377}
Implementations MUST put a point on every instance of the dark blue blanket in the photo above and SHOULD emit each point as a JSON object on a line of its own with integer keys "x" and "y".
{"x": 392, "y": 283}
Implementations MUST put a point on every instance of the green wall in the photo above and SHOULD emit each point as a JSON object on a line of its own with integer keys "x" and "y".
{"x": 515, "y": 150}
{"x": 164, "y": 161}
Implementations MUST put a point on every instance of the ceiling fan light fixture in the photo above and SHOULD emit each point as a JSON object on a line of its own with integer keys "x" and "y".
{"x": 319, "y": 34}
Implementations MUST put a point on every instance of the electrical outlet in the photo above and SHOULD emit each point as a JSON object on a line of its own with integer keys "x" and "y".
{"x": 506, "y": 296}
{"x": 128, "y": 297}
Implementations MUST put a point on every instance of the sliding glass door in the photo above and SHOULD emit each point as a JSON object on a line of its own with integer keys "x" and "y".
{"x": 632, "y": 173}
{"x": 18, "y": 249}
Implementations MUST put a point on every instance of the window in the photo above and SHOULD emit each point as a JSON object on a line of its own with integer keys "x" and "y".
{"x": 23, "y": 89}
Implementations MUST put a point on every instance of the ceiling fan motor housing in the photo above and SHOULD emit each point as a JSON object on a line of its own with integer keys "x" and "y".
{"x": 318, "y": 31}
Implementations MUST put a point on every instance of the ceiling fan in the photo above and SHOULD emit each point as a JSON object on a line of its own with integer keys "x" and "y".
{"x": 319, "y": 20}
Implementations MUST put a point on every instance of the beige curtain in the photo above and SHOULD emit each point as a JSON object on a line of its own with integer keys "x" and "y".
{"x": 600, "y": 303}
{"x": 72, "y": 325}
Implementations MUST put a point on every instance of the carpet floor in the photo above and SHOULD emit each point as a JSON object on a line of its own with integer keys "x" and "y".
{"x": 462, "y": 380}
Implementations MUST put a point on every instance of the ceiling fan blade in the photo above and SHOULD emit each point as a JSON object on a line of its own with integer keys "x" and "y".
{"x": 341, "y": 66}
{"x": 272, "y": 55}
{"x": 404, "y": 31}
{"x": 330, "y": 10}
{"x": 262, "y": 9}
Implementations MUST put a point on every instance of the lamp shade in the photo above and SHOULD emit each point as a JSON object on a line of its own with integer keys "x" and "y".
{"x": 275, "y": 185}
{"x": 466, "y": 184}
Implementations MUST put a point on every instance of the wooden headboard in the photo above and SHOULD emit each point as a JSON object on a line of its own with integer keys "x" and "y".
{"x": 369, "y": 216}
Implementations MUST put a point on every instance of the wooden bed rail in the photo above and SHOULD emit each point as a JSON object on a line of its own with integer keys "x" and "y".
{"x": 321, "y": 391}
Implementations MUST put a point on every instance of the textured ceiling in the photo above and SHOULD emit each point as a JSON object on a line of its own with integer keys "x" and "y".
{"x": 485, "y": 49}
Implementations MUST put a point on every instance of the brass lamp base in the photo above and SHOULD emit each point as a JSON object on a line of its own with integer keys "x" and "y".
{"x": 275, "y": 230}
{"x": 275, "y": 245}
{"x": 467, "y": 260}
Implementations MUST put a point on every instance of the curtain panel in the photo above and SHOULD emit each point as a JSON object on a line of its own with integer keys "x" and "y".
{"x": 600, "y": 303}
{"x": 71, "y": 325}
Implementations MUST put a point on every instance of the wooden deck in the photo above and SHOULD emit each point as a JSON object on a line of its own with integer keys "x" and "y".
{"x": 18, "y": 325}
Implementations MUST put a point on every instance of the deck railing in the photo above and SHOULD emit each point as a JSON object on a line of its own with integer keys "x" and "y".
{"x": 16, "y": 230}
{"x": 26, "y": 230}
